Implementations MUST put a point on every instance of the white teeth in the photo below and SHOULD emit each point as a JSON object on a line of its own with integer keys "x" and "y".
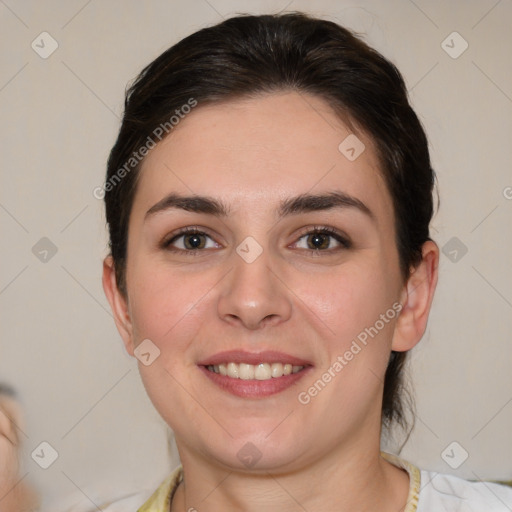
{"x": 262, "y": 371}
{"x": 233, "y": 370}
{"x": 277, "y": 369}
{"x": 245, "y": 371}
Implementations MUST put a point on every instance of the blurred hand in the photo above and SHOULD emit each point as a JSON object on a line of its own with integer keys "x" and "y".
{"x": 15, "y": 494}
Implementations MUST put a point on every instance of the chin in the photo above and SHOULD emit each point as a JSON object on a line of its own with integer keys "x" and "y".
{"x": 256, "y": 451}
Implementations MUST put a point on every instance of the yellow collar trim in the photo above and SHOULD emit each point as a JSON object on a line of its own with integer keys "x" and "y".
{"x": 414, "y": 480}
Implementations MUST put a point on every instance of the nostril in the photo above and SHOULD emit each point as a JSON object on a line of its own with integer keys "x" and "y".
{"x": 269, "y": 319}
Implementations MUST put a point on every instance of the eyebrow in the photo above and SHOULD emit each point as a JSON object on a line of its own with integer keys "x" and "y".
{"x": 303, "y": 203}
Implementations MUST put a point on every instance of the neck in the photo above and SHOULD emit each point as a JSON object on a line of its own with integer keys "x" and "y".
{"x": 350, "y": 478}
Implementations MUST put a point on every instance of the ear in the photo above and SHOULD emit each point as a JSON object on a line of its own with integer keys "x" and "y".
{"x": 118, "y": 304}
{"x": 416, "y": 299}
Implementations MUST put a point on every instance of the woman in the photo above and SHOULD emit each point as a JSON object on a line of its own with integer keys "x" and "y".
{"x": 268, "y": 202}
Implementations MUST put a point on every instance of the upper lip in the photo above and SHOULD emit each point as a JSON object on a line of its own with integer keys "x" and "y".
{"x": 254, "y": 358}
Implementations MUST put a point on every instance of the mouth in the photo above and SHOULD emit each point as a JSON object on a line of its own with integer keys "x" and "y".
{"x": 254, "y": 375}
{"x": 261, "y": 371}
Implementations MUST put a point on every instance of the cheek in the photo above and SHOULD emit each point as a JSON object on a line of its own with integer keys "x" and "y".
{"x": 349, "y": 300}
{"x": 170, "y": 309}
{"x": 166, "y": 305}
{"x": 351, "y": 375}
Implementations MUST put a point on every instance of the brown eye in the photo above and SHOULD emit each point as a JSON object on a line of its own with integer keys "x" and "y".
{"x": 190, "y": 240}
{"x": 318, "y": 241}
{"x": 194, "y": 241}
{"x": 322, "y": 240}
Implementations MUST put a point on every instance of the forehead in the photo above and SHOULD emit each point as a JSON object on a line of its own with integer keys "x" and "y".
{"x": 253, "y": 153}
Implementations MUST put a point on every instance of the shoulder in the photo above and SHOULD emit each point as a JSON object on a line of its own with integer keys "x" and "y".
{"x": 447, "y": 493}
{"x": 91, "y": 503}
{"x": 144, "y": 501}
{"x": 132, "y": 502}
{"x": 437, "y": 492}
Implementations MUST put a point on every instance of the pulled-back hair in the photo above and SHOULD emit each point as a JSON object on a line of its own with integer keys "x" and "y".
{"x": 247, "y": 56}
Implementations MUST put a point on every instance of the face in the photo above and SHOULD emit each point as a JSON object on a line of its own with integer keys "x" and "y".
{"x": 287, "y": 262}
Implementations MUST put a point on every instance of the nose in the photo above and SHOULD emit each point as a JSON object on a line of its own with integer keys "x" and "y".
{"x": 253, "y": 295}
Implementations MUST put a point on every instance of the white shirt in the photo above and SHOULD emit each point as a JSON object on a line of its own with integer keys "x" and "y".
{"x": 447, "y": 493}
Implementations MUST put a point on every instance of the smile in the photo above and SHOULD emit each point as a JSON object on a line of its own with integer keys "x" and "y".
{"x": 261, "y": 371}
{"x": 254, "y": 375}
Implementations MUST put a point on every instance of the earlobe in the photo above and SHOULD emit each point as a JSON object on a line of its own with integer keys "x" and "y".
{"x": 118, "y": 304}
{"x": 416, "y": 299}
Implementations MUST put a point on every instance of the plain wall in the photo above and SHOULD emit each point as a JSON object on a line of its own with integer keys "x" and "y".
{"x": 59, "y": 347}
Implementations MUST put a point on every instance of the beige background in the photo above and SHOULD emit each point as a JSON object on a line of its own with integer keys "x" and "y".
{"x": 59, "y": 346}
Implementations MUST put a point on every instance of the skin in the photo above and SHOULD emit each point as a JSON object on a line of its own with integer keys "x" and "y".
{"x": 15, "y": 494}
{"x": 252, "y": 154}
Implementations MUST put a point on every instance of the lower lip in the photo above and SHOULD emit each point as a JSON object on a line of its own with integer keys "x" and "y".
{"x": 254, "y": 388}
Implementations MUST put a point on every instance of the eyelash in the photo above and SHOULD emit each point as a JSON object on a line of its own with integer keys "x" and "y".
{"x": 316, "y": 230}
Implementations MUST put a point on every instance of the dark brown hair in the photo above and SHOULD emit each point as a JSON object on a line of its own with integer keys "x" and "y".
{"x": 248, "y": 56}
